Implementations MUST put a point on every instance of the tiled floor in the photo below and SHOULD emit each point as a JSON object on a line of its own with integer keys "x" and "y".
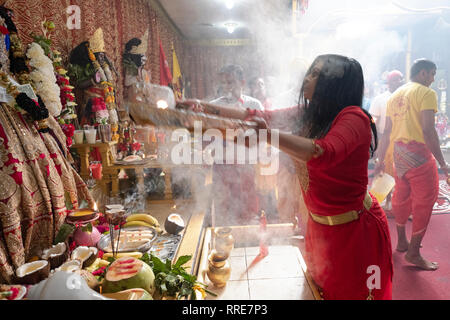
{"x": 277, "y": 277}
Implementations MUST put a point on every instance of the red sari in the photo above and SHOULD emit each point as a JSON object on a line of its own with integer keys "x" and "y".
{"x": 339, "y": 258}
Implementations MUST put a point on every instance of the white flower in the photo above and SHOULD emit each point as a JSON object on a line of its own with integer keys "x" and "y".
{"x": 43, "y": 77}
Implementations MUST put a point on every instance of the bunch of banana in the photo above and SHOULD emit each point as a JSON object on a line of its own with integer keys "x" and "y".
{"x": 135, "y": 254}
{"x": 143, "y": 220}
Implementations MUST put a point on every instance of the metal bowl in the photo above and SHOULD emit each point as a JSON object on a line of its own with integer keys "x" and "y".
{"x": 105, "y": 240}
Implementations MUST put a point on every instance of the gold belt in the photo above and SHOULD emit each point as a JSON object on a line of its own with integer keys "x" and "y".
{"x": 343, "y": 217}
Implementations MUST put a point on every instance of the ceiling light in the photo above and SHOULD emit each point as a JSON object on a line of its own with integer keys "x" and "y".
{"x": 231, "y": 26}
{"x": 229, "y": 4}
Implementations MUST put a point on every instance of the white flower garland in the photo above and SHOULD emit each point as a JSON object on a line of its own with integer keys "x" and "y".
{"x": 44, "y": 79}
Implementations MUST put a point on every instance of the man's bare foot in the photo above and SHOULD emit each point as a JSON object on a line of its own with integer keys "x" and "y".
{"x": 402, "y": 246}
{"x": 421, "y": 262}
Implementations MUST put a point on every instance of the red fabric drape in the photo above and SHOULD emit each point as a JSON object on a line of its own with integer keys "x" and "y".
{"x": 165, "y": 76}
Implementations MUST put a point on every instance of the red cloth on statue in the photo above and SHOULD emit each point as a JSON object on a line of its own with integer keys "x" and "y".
{"x": 338, "y": 257}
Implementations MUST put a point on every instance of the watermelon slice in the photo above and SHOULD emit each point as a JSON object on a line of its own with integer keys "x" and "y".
{"x": 131, "y": 294}
{"x": 129, "y": 273}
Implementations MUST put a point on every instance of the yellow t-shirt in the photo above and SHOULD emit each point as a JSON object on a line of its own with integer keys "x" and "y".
{"x": 404, "y": 108}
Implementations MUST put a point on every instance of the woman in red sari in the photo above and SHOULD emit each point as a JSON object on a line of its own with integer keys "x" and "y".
{"x": 347, "y": 240}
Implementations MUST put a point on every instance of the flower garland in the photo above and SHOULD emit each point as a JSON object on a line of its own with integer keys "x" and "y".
{"x": 66, "y": 95}
{"x": 43, "y": 77}
{"x": 35, "y": 108}
{"x": 108, "y": 88}
{"x": 69, "y": 130}
{"x": 66, "y": 90}
{"x": 19, "y": 68}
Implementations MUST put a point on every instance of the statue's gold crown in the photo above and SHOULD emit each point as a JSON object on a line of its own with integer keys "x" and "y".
{"x": 142, "y": 48}
{"x": 97, "y": 43}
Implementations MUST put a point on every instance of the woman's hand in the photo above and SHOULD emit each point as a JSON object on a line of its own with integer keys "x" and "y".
{"x": 192, "y": 105}
{"x": 261, "y": 123}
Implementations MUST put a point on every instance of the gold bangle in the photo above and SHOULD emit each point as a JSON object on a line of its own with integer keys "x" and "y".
{"x": 317, "y": 150}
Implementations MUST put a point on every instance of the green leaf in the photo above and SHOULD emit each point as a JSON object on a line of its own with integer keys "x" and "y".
{"x": 163, "y": 288}
{"x": 158, "y": 265}
{"x": 189, "y": 277}
{"x": 87, "y": 228}
{"x": 169, "y": 264}
{"x": 64, "y": 232}
{"x": 181, "y": 260}
{"x": 147, "y": 259}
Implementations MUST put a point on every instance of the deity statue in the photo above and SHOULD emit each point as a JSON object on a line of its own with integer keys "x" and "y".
{"x": 38, "y": 185}
{"x": 94, "y": 74}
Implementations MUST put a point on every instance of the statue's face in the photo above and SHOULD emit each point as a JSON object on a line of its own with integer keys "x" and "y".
{"x": 101, "y": 57}
{"x": 143, "y": 60}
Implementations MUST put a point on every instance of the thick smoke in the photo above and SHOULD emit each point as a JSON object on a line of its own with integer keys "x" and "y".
{"x": 368, "y": 31}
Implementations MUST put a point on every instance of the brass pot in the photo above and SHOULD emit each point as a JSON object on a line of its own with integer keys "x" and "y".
{"x": 219, "y": 269}
{"x": 224, "y": 240}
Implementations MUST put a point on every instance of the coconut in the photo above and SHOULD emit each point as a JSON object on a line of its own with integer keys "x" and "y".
{"x": 174, "y": 223}
{"x": 91, "y": 280}
{"x": 56, "y": 255}
{"x": 85, "y": 255}
{"x": 129, "y": 273}
{"x": 33, "y": 272}
{"x": 130, "y": 294}
{"x": 71, "y": 266}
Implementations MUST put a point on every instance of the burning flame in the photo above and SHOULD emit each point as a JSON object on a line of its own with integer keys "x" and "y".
{"x": 162, "y": 104}
{"x": 95, "y": 206}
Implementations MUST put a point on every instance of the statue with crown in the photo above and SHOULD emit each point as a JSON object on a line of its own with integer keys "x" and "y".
{"x": 137, "y": 79}
{"x": 95, "y": 76}
{"x": 38, "y": 185}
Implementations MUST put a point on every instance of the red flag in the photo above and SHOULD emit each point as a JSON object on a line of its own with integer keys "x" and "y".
{"x": 263, "y": 249}
{"x": 164, "y": 69}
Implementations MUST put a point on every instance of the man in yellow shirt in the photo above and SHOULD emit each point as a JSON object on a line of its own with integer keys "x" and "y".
{"x": 410, "y": 126}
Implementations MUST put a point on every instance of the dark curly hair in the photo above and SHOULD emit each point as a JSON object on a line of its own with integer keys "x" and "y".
{"x": 136, "y": 58}
{"x": 339, "y": 85}
{"x": 16, "y": 64}
{"x": 5, "y": 13}
{"x": 80, "y": 54}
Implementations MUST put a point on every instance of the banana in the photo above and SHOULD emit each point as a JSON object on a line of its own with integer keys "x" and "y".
{"x": 143, "y": 217}
{"x": 94, "y": 266}
{"x": 136, "y": 255}
{"x": 103, "y": 263}
{"x": 138, "y": 224}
